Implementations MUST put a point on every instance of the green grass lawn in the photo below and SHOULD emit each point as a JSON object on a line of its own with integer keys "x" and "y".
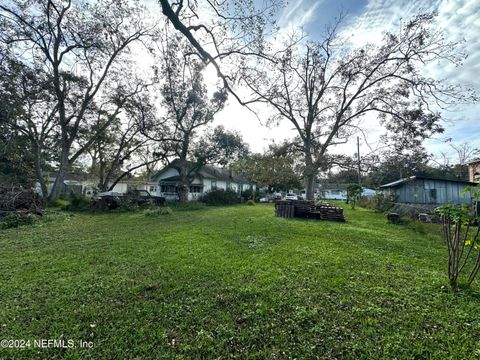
{"x": 233, "y": 282}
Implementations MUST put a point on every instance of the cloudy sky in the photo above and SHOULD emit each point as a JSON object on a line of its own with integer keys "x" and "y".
{"x": 365, "y": 21}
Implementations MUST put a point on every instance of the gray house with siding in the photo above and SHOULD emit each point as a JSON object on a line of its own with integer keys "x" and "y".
{"x": 425, "y": 190}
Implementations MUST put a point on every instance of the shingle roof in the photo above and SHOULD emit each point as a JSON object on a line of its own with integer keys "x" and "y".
{"x": 473, "y": 161}
{"x": 416, "y": 177}
{"x": 211, "y": 172}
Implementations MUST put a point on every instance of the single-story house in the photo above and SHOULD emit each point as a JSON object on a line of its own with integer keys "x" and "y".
{"x": 150, "y": 186}
{"x": 331, "y": 191}
{"x": 474, "y": 171}
{"x": 84, "y": 185}
{"x": 69, "y": 186}
{"x": 426, "y": 190}
{"x": 204, "y": 180}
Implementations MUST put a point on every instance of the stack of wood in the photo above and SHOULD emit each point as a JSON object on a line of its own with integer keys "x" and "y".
{"x": 308, "y": 209}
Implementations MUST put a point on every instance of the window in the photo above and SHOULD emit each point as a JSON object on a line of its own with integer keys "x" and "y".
{"x": 152, "y": 188}
{"x": 228, "y": 185}
{"x": 196, "y": 189}
{"x": 168, "y": 189}
{"x": 433, "y": 194}
{"x": 214, "y": 184}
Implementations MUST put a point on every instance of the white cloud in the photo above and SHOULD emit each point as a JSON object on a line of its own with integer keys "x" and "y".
{"x": 457, "y": 19}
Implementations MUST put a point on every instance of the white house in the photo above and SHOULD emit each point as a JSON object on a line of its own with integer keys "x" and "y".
{"x": 331, "y": 191}
{"x": 150, "y": 186}
{"x": 339, "y": 191}
{"x": 206, "y": 179}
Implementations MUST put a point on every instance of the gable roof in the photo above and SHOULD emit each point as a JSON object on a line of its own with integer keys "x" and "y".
{"x": 209, "y": 172}
{"x": 475, "y": 161}
{"x": 416, "y": 177}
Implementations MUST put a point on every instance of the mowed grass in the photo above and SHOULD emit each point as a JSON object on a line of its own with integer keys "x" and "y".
{"x": 233, "y": 282}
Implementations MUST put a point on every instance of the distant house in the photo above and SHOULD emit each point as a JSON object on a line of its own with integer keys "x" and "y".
{"x": 204, "y": 180}
{"x": 150, "y": 186}
{"x": 73, "y": 184}
{"x": 82, "y": 184}
{"x": 474, "y": 171}
{"x": 425, "y": 190}
{"x": 333, "y": 191}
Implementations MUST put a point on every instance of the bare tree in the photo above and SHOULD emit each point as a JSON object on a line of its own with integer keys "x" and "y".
{"x": 465, "y": 152}
{"x": 224, "y": 33}
{"x": 324, "y": 88}
{"x": 79, "y": 45}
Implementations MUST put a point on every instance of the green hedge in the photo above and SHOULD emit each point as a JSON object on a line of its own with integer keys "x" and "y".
{"x": 220, "y": 197}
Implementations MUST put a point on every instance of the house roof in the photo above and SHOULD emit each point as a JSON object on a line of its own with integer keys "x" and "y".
{"x": 209, "y": 172}
{"x": 177, "y": 178}
{"x": 475, "y": 161}
{"x": 416, "y": 177}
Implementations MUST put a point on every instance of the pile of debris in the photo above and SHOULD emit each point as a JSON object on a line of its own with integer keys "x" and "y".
{"x": 308, "y": 209}
{"x": 14, "y": 199}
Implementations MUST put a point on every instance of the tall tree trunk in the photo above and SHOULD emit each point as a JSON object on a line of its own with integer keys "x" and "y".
{"x": 39, "y": 171}
{"x": 183, "y": 192}
{"x": 41, "y": 181}
{"x": 309, "y": 175}
{"x": 61, "y": 175}
{"x": 310, "y": 187}
{"x": 183, "y": 184}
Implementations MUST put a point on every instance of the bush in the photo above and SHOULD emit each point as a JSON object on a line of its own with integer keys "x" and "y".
{"x": 250, "y": 194}
{"x": 353, "y": 193}
{"x": 78, "y": 203}
{"x": 188, "y": 206}
{"x": 250, "y": 202}
{"x": 383, "y": 203}
{"x": 130, "y": 201}
{"x": 158, "y": 212}
{"x": 60, "y": 203}
{"x": 16, "y": 219}
{"x": 220, "y": 197}
{"x": 367, "y": 202}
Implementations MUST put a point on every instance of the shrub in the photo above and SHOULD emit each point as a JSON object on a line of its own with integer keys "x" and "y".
{"x": 367, "y": 202}
{"x": 220, "y": 197}
{"x": 158, "y": 212}
{"x": 462, "y": 241}
{"x": 353, "y": 192}
{"x": 250, "y": 194}
{"x": 130, "y": 201}
{"x": 16, "y": 219}
{"x": 250, "y": 202}
{"x": 78, "y": 203}
{"x": 58, "y": 203}
{"x": 383, "y": 202}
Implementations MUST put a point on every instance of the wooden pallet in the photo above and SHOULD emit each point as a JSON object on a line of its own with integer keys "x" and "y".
{"x": 285, "y": 210}
{"x": 308, "y": 209}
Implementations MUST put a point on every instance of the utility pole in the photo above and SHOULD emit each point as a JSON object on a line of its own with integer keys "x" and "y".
{"x": 358, "y": 162}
